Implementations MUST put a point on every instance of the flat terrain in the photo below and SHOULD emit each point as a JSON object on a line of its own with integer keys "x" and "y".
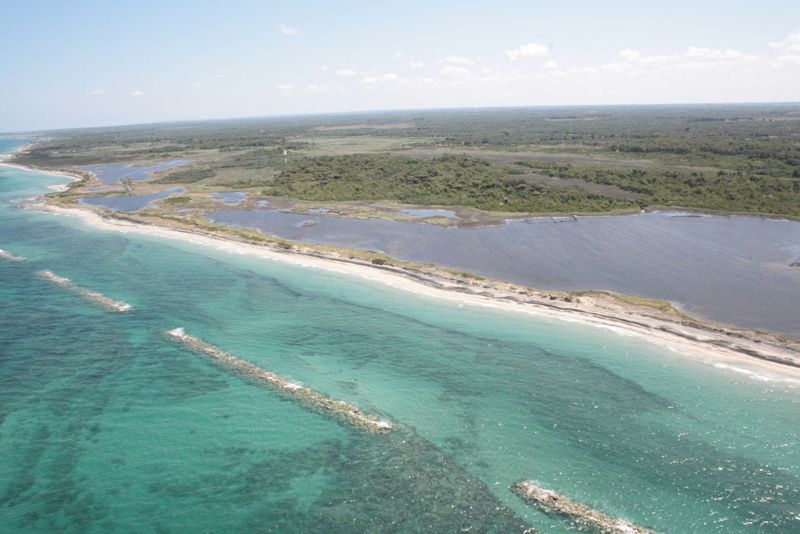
{"x": 501, "y": 162}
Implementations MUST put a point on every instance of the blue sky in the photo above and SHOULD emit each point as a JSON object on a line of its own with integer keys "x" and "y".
{"x": 87, "y": 63}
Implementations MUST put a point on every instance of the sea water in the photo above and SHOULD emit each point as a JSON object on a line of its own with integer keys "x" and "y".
{"x": 107, "y": 425}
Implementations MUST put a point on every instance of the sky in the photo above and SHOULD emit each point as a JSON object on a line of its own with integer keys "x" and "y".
{"x": 79, "y": 63}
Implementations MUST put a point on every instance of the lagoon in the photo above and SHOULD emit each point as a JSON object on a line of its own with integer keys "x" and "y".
{"x": 130, "y": 203}
{"x": 119, "y": 172}
{"x": 725, "y": 268}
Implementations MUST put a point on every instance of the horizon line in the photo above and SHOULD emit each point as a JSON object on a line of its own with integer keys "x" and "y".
{"x": 402, "y": 110}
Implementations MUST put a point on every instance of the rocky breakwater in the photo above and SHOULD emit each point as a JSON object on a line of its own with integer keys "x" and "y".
{"x": 92, "y": 296}
{"x": 344, "y": 411}
{"x": 6, "y": 255}
{"x": 585, "y": 517}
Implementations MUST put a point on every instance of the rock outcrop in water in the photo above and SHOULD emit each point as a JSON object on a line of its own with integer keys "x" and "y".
{"x": 315, "y": 400}
{"x": 93, "y": 296}
{"x": 584, "y": 516}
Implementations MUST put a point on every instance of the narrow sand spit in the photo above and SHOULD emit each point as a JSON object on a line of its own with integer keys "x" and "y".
{"x": 777, "y": 357}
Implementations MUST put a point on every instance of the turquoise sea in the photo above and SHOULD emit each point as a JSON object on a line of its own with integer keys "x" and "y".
{"x": 108, "y": 426}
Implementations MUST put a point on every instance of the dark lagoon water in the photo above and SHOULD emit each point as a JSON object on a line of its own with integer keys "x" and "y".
{"x": 117, "y": 172}
{"x": 108, "y": 426}
{"x": 730, "y": 269}
{"x": 130, "y": 203}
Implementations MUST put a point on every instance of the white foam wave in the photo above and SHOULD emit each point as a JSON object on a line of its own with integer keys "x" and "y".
{"x": 750, "y": 373}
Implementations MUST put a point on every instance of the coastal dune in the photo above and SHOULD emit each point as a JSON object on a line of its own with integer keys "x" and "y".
{"x": 344, "y": 411}
{"x": 93, "y": 296}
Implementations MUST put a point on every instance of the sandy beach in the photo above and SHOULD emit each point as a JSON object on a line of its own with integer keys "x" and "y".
{"x": 757, "y": 355}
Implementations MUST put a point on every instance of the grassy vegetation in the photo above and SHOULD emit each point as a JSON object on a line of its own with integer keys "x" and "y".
{"x": 176, "y": 201}
{"x": 187, "y": 176}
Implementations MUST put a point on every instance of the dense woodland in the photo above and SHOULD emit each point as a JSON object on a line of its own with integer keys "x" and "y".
{"x": 448, "y": 180}
{"x": 730, "y": 158}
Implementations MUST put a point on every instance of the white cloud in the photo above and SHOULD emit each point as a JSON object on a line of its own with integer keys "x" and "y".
{"x": 689, "y": 74}
{"x": 694, "y": 57}
{"x": 288, "y": 30}
{"x": 789, "y": 45}
{"x": 196, "y": 85}
{"x": 409, "y": 61}
{"x": 713, "y": 53}
{"x": 459, "y": 60}
{"x": 788, "y": 51}
{"x": 137, "y": 93}
{"x": 286, "y": 89}
{"x": 98, "y": 92}
{"x": 630, "y": 54}
{"x": 786, "y": 60}
{"x": 615, "y": 67}
{"x": 311, "y": 89}
{"x": 526, "y": 51}
{"x": 374, "y": 79}
{"x": 289, "y": 89}
{"x": 454, "y": 70}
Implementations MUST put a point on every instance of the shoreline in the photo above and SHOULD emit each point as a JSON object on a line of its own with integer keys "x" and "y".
{"x": 72, "y": 176}
{"x": 661, "y": 323}
{"x": 729, "y": 348}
